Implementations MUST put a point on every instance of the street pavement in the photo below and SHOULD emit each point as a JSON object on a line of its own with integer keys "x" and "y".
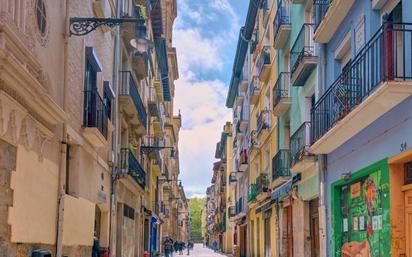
{"x": 200, "y": 251}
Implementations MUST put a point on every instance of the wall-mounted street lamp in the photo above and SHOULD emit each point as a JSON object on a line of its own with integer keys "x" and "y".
{"x": 80, "y": 26}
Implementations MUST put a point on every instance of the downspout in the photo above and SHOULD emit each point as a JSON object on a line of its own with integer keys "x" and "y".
{"x": 278, "y": 228}
{"x": 322, "y": 161}
{"x": 115, "y": 138}
{"x": 63, "y": 143}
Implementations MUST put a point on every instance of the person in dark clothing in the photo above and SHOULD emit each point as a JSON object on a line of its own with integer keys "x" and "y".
{"x": 176, "y": 246}
{"x": 96, "y": 250}
{"x": 168, "y": 247}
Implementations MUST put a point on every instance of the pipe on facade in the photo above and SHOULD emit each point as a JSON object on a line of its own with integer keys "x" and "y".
{"x": 115, "y": 138}
{"x": 64, "y": 147}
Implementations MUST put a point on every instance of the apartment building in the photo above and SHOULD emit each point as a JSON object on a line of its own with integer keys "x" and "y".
{"x": 89, "y": 142}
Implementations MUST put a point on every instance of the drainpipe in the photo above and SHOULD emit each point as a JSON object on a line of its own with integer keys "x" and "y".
{"x": 63, "y": 144}
{"x": 322, "y": 161}
{"x": 115, "y": 138}
{"x": 278, "y": 229}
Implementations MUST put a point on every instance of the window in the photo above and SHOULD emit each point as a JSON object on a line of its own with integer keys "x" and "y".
{"x": 108, "y": 96}
{"x": 128, "y": 212}
{"x": 408, "y": 173}
{"x": 41, "y": 16}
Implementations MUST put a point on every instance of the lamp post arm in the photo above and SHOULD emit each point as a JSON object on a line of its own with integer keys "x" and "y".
{"x": 80, "y": 26}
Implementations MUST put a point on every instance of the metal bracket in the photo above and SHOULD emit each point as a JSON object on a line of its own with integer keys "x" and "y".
{"x": 150, "y": 149}
{"x": 83, "y": 26}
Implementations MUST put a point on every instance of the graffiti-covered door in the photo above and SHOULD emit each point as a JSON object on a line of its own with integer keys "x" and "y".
{"x": 408, "y": 222}
{"x": 364, "y": 217}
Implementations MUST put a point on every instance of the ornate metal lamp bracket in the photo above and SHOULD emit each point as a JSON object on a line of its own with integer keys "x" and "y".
{"x": 83, "y": 26}
{"x": 150, "y": 149}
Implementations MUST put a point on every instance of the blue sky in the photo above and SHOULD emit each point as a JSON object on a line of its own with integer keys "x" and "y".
{"x": 205, "y": 36}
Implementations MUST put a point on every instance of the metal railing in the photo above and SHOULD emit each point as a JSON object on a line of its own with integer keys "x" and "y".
{"x": 281, "y": 164}
{"x": 299, "y": 143}
{"x": 262, "y": 183}
{"x": 95, "y": 112}
{"x": 263, "y": 121}
{"x": 232, "y": 211}
{"x": 254, "y": 85}
{"x": 320, "y": 7}
{"x": 303, "y": 46}
{"x": 386, "y": 56}
{"x": 251, "y": 195}
{"x": 281, "y": 88}
{"x": 131, "y": 166}
{"x": 264, "y": 59}
{"x": 282, "y": 17}
{"x": 128, "y": 87}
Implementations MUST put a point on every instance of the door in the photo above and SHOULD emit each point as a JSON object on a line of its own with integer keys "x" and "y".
{"x": 314, "y": 227}
{"x": 290, "y": 231}
{"x": 267, "y": 237}
{"x": 408, "y": 222}
{"x": 243, "y": 241}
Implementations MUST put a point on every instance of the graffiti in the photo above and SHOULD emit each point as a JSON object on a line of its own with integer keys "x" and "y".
{"x": 370, "y": 195}
{"x": 356, "y": 249}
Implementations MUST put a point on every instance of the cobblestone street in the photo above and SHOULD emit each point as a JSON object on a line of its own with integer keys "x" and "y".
{"x": 200, "y": 251}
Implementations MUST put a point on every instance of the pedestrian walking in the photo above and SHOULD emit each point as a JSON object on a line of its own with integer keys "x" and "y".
{"x": 214, "y": 246}
{"x": 168, "y": 246}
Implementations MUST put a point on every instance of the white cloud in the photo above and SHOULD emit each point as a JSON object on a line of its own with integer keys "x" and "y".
{"x": 201, "y": 49}
{"x": 197, "y": 52}
{"x": 204, "y": 114}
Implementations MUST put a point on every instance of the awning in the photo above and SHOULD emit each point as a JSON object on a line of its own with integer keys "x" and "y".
{"x": 161, "y": 55}
{"x": 267, "y": 205}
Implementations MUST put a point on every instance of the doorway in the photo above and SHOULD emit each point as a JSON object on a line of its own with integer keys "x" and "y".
{"x": 408, "y": 221}
{"x": 242, "y": 241}
{"x": 267, "y": 236}
{"x": 314, "y": 227}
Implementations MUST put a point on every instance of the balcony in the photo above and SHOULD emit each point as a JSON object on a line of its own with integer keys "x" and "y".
{"x": 240, "y": 208}
{"x": 158, "y": 127}
{"x": 232, "y": 211}
{"x": 130, "y": 166}
{"x": 232, "y": 178}
{"x": 254, "y": 90}
{"x": 157, "y": 163}
{"x": 329, "y": 15}
{"x": 280, "y": 167}
{"x": 301, "y": 158}
{"x": 297, "y": 1}
{"x": 251, "y": 195}
{"x": 132, "y": 30}
{"x": 262, "y": 187}
{"x": 282, "y": 25}
{"x": 378, "y": 79}
{"x": 263, "y": 64}
{"x": 131, "y": 104}
{"x": 243, "y": 161}
{"x": 244, "y": 120}
{"x": 263, "y": 123}
{"x": 95, "y": 119}
{"x": 239, "y": 132}
{"x": 302, "y": 56}
{"x": 281, "y": 95}
{"x": 243, "y": 83}
{"x": 240, "y": 98}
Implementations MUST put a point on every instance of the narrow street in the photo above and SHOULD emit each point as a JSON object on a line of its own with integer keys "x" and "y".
{"x": 200, "y": 251}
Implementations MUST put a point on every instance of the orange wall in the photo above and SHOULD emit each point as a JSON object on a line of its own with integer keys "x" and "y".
{"x": 397, "y": 210}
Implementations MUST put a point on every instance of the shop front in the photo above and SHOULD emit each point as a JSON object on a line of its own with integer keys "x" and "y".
{"x": 361, "y": 212}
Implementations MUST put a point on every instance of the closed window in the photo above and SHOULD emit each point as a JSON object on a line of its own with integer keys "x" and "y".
{"x": 41, "y": 16}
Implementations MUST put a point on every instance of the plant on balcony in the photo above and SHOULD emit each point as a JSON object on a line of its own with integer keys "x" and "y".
{"x": 262, "y": 183}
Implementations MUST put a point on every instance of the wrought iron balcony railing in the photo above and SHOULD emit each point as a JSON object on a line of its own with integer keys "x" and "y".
{"x": 282, "y": 17}
{"x": 251, "y": 196}
{"x": 385, "y": 57}
{"x": 281, "y": 88}
{"x": 281, "y": 164}
{"x": 262, "y": 183}
{"x": 303, "y": 46}
{"x": 320, "y": 9}
{"x": 131, "y": 166}
{"x": 95, "y": 112}
{"x": 128, "y": 87}
{"x": 300, "y": 143}
{"x": 263, "y": 121}
{"x": 232, "y": 211}
{"x": 264, "y": 59}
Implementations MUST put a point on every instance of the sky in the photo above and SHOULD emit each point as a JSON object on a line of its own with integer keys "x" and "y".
{"x": 205, "y": 36}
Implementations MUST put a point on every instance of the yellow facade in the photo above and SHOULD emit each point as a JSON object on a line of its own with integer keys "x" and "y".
{"x": 264, "y": 141}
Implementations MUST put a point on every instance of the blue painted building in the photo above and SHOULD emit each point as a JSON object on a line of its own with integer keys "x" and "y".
{"x": 361, "y": 125}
